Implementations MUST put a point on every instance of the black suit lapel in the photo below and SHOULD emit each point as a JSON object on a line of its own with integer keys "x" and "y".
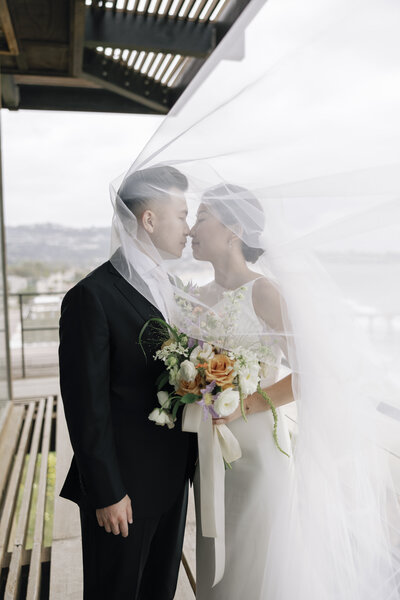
{"x": 141, "y": 305}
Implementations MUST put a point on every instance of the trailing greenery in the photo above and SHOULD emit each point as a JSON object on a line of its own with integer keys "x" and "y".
{"x": 275, "y": 415}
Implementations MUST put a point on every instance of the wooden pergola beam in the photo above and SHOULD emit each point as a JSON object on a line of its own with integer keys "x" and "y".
{"x": 41, "y": 97}
{"x": 9, "y": 92}
{"x": 148, "y": 33}
{"x": 52, "y": 80}
{"x": 76, "y": 33}
{"x": 7, "y": 26}
{"x": 117, "y": 78}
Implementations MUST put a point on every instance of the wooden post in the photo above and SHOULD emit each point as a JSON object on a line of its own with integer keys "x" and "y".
{"x": 3, "y": 264}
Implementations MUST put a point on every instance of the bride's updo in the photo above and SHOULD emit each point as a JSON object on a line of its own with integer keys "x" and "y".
{"x": 236, "y": 205}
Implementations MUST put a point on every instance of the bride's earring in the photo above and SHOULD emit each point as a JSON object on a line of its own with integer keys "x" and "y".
{"x": 230, "y": 243}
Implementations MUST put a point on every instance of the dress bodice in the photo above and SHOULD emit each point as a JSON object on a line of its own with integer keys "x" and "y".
{"x": 237, "y": 324}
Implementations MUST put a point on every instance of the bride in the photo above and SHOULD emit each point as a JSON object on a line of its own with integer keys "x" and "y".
{"x": 258, "y": 481}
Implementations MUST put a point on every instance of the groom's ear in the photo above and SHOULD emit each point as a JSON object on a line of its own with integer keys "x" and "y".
{"x": 148, "y": 219}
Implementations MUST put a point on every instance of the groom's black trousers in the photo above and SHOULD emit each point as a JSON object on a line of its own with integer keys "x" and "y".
{"x": 142, "y": 566}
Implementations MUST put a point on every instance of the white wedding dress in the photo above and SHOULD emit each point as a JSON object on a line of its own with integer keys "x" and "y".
{"x": 253, "y": 487}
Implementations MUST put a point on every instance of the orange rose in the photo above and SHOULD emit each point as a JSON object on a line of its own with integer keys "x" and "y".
{"x": 220, "y": 370}
{"x": 190, "y": 387}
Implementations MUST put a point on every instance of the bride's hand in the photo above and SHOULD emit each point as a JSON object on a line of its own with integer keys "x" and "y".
{"x": 235, "y": 415}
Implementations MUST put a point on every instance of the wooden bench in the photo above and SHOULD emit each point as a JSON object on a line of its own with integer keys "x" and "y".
{"x": 31, "y": 430}
{"x": 25, "y": 435}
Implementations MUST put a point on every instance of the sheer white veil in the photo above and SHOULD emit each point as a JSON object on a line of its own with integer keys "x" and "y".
{"x": 299, "y": 143}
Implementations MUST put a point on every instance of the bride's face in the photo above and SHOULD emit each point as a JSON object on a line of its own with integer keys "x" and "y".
{"x": 210, "y": 238}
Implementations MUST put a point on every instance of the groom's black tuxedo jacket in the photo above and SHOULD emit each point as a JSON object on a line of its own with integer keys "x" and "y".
{"x": 108, "y": 390}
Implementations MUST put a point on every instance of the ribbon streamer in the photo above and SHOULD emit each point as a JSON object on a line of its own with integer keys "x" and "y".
{"x": 216, "y": 443}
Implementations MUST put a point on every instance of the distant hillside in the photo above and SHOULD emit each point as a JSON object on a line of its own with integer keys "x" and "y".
{"x": 90, "y": 246}
{"x": 50, "y": 243}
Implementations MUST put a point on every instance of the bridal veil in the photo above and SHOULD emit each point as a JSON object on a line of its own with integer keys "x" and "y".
{"x": 290, "y": 133}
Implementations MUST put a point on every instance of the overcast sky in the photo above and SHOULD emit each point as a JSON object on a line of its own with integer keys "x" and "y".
{"x": 57, "y": 166}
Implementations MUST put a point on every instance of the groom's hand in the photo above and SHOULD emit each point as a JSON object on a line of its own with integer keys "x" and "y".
{"x": 115, "y": 518}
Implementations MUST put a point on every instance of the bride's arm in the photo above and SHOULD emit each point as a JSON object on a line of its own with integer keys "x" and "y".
{"x": 280, "y": 393}
{"x": 268, "y": 306}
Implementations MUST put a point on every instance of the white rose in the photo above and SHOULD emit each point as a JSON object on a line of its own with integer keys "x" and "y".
{"x": 201, "y": 354}
{"x": 187, "y": 371}
{"x": 227, "y": 402}
{"x": 161, "y": 417}
{"x": 164, "y": 399}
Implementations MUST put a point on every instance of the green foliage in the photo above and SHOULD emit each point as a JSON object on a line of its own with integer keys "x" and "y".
{"x": 162, "y": 380}
{"x": 162, "y": 329}
{"x": 190, "y": 398}
{"x": 275, "y": 415}
{"x": 35, "y": 269}
{"x": 175, "y": 410}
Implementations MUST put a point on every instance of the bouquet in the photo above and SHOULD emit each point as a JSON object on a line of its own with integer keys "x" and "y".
{"x": 200, "y": 372}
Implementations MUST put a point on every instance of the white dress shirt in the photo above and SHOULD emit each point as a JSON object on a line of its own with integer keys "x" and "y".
{"x": 154, "y": 276}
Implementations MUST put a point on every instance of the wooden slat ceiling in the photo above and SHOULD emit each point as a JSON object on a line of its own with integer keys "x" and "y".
{"x": 107, "y": 55}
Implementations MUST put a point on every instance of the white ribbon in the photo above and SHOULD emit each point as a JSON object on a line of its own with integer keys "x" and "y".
{"x": 216, "y": 443}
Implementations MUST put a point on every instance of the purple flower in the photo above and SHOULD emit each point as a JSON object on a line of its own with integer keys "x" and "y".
{"x": 209, "y": 388}
{"x": 207, "y": 401}
{"x": 191, "y": 342}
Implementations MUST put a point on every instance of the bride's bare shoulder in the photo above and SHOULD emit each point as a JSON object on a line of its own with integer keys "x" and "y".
{"x": 267, "y": 301}
{"x": 264, "y": 288}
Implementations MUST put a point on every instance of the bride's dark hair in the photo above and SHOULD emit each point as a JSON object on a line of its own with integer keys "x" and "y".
{"x": 221, "y": 196}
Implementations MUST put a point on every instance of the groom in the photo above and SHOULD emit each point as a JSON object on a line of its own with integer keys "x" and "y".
{"x": 128, "y": 476}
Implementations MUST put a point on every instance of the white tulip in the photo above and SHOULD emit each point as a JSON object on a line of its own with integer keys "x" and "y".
{"x": 164, "y": 399}
{"x": 187, "y": 371}
{"x": 161, "y": 417}
{"x": 227, "y": 402}
{"x": 201, "y": 354}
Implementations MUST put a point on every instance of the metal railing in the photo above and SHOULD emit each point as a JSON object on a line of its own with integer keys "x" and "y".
{"x": 33, "y": 327}
{"x": 25, "y": 317}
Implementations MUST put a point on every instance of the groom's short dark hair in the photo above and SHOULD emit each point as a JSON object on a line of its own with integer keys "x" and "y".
{"x": 141, "y": 188}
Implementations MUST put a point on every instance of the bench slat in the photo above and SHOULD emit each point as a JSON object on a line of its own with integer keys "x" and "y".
{"x": 12, "y": 490}
{"x": 8, "y": 443}
{"x": 35, "y": 565}
{"x": 20, "y": 535}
